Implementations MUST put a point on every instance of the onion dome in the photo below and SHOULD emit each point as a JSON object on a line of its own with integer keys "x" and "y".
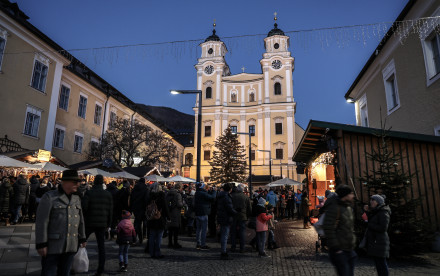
{"x": 275, "y": 30}
{"x": 213, "y": 37}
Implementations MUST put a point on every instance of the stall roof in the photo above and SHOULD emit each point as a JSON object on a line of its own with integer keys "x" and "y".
{"x": 312, "y": 142}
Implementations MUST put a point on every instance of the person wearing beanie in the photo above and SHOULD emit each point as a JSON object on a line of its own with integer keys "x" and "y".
{"x": 126, "y": 236}
{"x": 262, "y": 226}
{"x": 242, "y": 204}
{"x": 377, "y": 241}
{"x": 338, "y": 228}
{"x": 225, "y": 215}
{"x": 97, "y": 205}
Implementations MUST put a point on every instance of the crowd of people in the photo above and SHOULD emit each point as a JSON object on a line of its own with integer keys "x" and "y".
{"x": 161, "y": 211}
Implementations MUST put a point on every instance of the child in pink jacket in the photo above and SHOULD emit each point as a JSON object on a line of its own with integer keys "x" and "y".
{"x": 262, "y": 227}
{"x": 126, "y": 236}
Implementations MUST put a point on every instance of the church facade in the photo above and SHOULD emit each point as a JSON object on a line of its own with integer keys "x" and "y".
{"x": 261, "y": 104}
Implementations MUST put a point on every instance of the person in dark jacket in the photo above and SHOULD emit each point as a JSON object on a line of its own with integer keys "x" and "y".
{"x": 338, "y": 228}
{"x": 113, "y": 190}
{"x": 378, "y": 242}
{"x": 21, "y": 197}
{"x": 6, "y": 195}
{"x": 225, "y": 215}
{"x": 32, "y": 209}
{"x": 175, "y": 204}
{"x": 242, "y": 204}
{"x": 157, "y": 226}
{"x": 190, "y": 213}
{"x": 138, "y": 200}
{"x": 305, "y": 204}
{"x": 97, "y": 207}
{"x": 43, "y": 188}
{"x": 202, "y": 205}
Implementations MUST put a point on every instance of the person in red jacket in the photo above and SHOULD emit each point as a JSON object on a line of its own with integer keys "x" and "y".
{"x": 262, "y": 227}
{"x": 126, "y": 236}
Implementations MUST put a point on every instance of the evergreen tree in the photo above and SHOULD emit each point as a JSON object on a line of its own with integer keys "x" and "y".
{"x": 406, "y": 228}
{"x": 229, "y": 159}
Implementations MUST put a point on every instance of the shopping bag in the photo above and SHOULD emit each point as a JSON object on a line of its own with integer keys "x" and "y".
{"x": 81, "y": 261}
{"x": 318, "y": 226}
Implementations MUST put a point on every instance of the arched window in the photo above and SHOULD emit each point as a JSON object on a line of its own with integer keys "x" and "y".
{"x": 277, "y": 88}
{"x": 252, "y": 97}
{"x": 233, "y": 97}
{"x": 208, "y": 93}
{"x": 188, "y": 159}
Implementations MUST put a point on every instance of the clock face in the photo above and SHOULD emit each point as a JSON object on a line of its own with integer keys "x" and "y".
{"x": 210, "y": 51}
{"x": 209, "y": 69}
{"x": 276, "y": 64}
{"x": 276, "y": 45}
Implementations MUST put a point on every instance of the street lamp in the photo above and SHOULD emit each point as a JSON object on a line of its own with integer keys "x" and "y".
{"x": 199, "y": 125}
{"x": 250, "y": 159}
{"x": 270, "y": 162}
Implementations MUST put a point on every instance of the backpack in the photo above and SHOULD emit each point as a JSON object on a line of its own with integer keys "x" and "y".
{"x": 152, "y": 212}
{"x": 171, "y": 201}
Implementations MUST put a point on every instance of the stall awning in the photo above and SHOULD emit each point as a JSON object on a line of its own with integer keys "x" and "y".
{"x": 317, "y": 138}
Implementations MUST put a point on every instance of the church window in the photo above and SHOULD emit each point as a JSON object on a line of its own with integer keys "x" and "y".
{"x": 252, "y": 97}
{"x": 207, "y": 155}
{"x": 279, "y": 153}
{"x": 278, "y": 128}
{"x": 189, "y": 159}
{"x": 277, "y": 88}
{"x": 252, "y": 130}
{"x": 207, "y": 131}
{"x": 208, "y": 93}
{"x": 234, "y": 129}
{"x": 233, "y": 97}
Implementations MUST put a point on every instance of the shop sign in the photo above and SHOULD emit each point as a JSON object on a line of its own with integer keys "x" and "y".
{"x": 43, "y": 155}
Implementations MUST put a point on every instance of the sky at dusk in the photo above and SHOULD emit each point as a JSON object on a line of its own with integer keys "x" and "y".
{"x": 323, "y": 70}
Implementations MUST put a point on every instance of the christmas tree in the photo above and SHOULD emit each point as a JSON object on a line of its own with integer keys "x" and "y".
{"x": 406, "y": 228}
{"x": 229, "y": 159}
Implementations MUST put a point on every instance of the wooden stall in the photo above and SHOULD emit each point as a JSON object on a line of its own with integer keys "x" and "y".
{"x": 349, "y": 147}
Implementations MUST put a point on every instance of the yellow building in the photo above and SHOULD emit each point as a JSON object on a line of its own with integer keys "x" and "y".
{"x": 259, "y": 103}
{"x": 52, "y": 101}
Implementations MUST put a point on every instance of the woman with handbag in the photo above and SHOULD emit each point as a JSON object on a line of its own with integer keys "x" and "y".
{"x": 376, "y": 240}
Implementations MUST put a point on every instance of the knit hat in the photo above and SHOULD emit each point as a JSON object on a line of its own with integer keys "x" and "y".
{"x": 343, "y": 190}
{"x": 379, "y": 199}
{"x": 261, "y": 201}
{"x": 99, "y": 180}
{"x": 126, "y": 214}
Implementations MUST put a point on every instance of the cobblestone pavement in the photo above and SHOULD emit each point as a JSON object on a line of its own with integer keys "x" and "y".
{"x": 295, "y": 257}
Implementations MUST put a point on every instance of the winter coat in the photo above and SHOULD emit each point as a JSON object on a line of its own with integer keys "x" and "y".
{"x": 305, "y": 203}
{"x": 21, "y": 191}
{"x": 6, "y": 195}
{"x": 378, "y": 242}
{"x": 190, "y": 212}
{"x": 203, "y": 201}
{"x": 126, "y": 232}
{"x": 97, "y": 206}
{"x": 138, "y": 198}
{"x": 121, "y": 200}
{"x": 262, "y": 220}
{"x": 60, "y": 223}
{"x": 338, "y": 226}
{"x": 41, "y": 191}
{"x": 35, "y": 183}
{"x": 327, "y": 203}
{"x": 175, "y": 204}
{"x": 225, "y": 209}
{"x": 242, "y": 204}
{"x": 159, "y": 198}
{"x": 272, "y": 198}
{"x": 297, "y": 197}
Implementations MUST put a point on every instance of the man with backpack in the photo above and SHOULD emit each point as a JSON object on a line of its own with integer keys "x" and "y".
{"x": 202, "y": 205}
{"x": 175, "y": 204}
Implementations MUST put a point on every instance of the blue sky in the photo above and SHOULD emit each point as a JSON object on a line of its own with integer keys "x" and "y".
{"x": 146, "y": 74}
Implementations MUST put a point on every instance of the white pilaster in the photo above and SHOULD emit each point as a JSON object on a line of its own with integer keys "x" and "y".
{"x": 107, "y": 115}
{"x": 225, "y": 121}
{"x": 53, "y": 106}
{"x": 260, "y": 99}
{"x": 243, "y": 128}
{"x": 242, "y": 96}
{"x": 217, "y": 124}
{"x": 266, "y": 84}
{"x": 199, "y": 84}
{"x": 267, "y": 129}
{"x": 261, "y": 154}
{"x": 225, "y": 95}
{"x": 290, "y": 136}
{"x": 288, "y": 84}
{"x": 217, "y": 90}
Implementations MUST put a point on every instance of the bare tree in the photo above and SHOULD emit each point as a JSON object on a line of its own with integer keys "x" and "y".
{"x": 124, "y": 141}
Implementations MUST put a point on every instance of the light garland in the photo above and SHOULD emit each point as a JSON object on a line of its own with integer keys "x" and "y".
{"x": 341, "y": 36}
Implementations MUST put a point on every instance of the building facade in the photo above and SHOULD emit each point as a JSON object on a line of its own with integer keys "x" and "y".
{"x": 52, "y": 101}
{"x": 261, "y": 104}
{"x": 400, "y": 82}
